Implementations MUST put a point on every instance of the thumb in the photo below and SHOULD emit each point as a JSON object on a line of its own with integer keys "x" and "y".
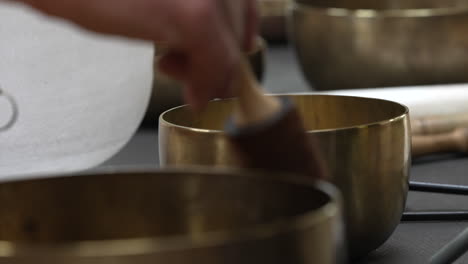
{"x": 242, "y": 18}
{"x": 251, "y": 25}
{"x": 234, "y": 13}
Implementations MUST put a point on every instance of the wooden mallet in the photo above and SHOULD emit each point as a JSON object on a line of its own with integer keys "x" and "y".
{"x": 268, "y": 132}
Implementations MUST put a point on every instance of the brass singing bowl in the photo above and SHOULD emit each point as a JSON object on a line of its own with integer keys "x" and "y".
{"x": 170, "y": 216}
{"x": 343, "y": 44}
{"x": 365, "y": 144}
{"x": 167, "y": 92}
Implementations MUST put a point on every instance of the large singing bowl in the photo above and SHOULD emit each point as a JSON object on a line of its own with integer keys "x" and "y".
{"x": 176, "y": 217}
{"x": 366, "y": 43}
{"x": 365, "y": 144}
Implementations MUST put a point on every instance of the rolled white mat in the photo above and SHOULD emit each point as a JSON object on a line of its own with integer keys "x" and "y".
{"x": 422, "y": 101}
{"x": 80, "y": 96}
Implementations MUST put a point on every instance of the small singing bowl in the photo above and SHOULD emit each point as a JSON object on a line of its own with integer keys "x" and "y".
{"x": 345, "y": 44}
{"x": 167, "y": 92}
{"x": 365, "y": 144}
{"x": 170, "y": 216}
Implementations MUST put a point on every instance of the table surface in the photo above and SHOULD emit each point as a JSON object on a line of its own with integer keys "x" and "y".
{"x": 411, "y": 242}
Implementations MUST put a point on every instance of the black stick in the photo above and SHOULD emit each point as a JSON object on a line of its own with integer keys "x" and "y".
{"x": 438, "y": 188}
{"x": 452, "y": 251}
{"x": 435, "y": 216}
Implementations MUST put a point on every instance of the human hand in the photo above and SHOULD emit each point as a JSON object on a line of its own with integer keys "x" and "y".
{"x": 205, "y": 37}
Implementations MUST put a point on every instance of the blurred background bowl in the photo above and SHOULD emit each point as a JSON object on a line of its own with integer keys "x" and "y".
{"x": 167, "y": 92}
{"x": 366, "y": 43}
{"x": 178, "y": 217}
{"x": 273, "y": 19}
{"x": 364, "y": 142}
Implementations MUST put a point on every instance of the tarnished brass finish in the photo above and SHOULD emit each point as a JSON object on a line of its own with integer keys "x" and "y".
{"x": 177, "y": 217}
{"x": 366, "y": 43}
{"x": 364, "y": 142}
{"x": 167, "y": 92}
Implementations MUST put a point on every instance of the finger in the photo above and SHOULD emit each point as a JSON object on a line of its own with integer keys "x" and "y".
{"x": 251, "y": 25}
{"x": 213, "y": 66}
{"x": 234, "y": 17}
{"x": 191, "y": 99}
{"x": 209, "y": 48}
{"x": 175, "y": 65}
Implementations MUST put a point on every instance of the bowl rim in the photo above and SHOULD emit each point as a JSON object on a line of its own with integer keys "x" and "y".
{"x": 295, "y": 6}
{"x": 330, "y": 210}
{"x": 405, "y": 114}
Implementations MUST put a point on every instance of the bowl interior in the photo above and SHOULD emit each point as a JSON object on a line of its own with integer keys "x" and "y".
{"x": 384, "y": 4}
{"x": 138, "y": 205}
{"x": 319, "y": 112}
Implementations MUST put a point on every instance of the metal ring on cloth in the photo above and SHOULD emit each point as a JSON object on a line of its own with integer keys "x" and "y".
{"x": 14, "y": 111}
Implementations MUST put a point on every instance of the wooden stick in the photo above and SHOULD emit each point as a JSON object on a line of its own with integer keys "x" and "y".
{"x": 252, "y": 106}
{"x": 456, "y": 141}
{"x": 438, "y": 124}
